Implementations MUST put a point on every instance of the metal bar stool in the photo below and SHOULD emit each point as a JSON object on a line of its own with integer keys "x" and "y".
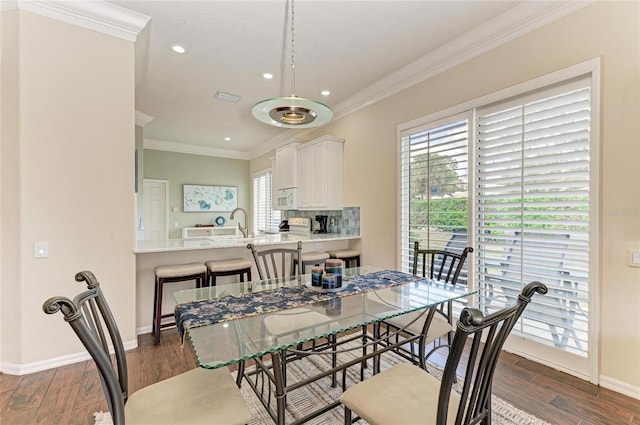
{"x": 312, "y": 258}
{"x": 168, "y": 274}
{"x": 229, "y": 267}
{"x": 346, "y": 255}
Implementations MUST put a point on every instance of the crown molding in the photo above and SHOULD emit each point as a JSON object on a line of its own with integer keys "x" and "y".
{"x": 516, "y": 22}
{"x": 161, "y": 145}
{"x": 143, "y": 119}
{"x": 100, "y": 16}
{"x": 7, "y": 5}
{"x": 281, "y": 139}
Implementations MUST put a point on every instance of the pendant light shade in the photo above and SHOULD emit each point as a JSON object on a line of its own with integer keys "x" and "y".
{"x": 292, "y": 111}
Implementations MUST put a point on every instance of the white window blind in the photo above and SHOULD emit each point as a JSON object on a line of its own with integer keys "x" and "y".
{"x": 264, "y": 217}
{"x": 434, "y": 179}
{"x": 532, "y": 210}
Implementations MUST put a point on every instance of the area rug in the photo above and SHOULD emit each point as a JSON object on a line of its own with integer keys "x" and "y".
{"x": 308, "y": 398}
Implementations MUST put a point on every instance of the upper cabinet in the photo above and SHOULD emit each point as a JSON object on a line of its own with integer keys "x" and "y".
{"x": 285, "y": 174}
{"x": 320, "y": 174}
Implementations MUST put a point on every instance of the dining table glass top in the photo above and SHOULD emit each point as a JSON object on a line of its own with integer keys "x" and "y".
{"x": 230, "y": 323}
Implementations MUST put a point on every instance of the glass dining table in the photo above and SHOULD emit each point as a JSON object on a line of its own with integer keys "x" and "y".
{"x": 284, "y": 318}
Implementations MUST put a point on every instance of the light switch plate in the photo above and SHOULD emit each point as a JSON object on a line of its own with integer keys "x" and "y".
{"x": 41, "y": 250}
{"x": 634, "y": 258}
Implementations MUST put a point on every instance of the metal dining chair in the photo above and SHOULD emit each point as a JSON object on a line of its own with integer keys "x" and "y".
{"x": 443, "y": 266}
{"x": 177, "y": 400}
{"x": 406, "y": 394}
{"x": 276, "y": 263}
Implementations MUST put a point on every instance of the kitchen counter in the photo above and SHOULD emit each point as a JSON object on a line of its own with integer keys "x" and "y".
{"x": 150, "y": 254}
{"x": 172, "y": 245}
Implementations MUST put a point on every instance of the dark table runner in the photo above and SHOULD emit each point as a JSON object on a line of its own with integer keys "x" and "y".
{"x": 207, "y": 312}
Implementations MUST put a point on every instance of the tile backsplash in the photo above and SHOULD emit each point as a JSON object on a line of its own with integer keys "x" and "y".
{"x": 344, "y": 222}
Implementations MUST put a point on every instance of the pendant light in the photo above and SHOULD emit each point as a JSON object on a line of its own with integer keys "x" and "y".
{"x": 292, "y": 111}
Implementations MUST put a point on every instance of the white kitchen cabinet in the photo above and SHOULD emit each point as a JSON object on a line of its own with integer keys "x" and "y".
{"x": 285, "y": 175}
{"x": 320, "y": 174}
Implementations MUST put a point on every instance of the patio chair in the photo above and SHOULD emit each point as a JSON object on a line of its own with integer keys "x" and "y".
{"x": 544, "y": 256}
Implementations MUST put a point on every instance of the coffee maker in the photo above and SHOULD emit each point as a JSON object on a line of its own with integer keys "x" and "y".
{"x": 322, "y": 224}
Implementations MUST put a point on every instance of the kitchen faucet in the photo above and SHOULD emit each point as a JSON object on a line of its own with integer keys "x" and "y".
{"x": 243, "y": 230}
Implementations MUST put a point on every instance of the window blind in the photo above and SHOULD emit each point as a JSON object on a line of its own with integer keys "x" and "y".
{"x": 532, "y": 210}
{"x": 264, "y": 217}
{"x": 434, "y": 179}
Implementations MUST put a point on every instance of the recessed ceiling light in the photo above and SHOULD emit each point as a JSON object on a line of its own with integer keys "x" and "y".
{"x": 228, "y": 139}
{"x": 325, "y": 92}
{"x": 267, "y": 76}
{"x": 178, "y": 48}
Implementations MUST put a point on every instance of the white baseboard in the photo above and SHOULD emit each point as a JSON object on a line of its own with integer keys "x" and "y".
{"x": 620, "y": 387}
{"x": 143, "y": 330}
{"x": 24, "y": 369}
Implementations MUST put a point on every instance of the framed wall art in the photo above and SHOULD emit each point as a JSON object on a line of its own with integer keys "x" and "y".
{"x": 203, "y": 198}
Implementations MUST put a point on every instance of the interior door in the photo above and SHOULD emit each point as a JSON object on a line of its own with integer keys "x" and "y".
{"x": 156, "y": 215}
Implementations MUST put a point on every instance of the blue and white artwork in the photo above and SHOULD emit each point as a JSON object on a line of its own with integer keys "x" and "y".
{"x": 199, "y": 198}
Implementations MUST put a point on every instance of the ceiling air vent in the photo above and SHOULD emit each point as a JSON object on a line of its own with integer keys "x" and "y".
{"x": 227, "y": 97}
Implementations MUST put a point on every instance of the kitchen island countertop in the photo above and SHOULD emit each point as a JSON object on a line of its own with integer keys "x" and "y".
{"x": 169, "y": 245}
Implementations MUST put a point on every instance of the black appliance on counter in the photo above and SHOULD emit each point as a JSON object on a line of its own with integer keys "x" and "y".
{"x": 284, "y": 226}
{"x": 322, "y": 224}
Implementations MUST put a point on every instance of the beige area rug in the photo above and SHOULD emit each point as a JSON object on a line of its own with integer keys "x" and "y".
{"x": 306, "y": 399}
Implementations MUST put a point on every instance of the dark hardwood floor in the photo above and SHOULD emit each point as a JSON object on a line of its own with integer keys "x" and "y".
{"x": 70, "y": 394}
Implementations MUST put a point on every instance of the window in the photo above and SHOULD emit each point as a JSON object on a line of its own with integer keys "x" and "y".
{"x": 264, "y": 217}
{"x": 516, "y": 173}
{"x": 434, "y": 187}
{"x": 532, "y": 210}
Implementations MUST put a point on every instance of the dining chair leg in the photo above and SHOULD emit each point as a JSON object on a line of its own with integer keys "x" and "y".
{"x": 347, "y": 416}
{"x": 363, "y": 365}
{"x": 333, "y": 339}
{"x": 240, "y": 374}
{"x": 280, "y": 383}
{"x": 376, "y": 337}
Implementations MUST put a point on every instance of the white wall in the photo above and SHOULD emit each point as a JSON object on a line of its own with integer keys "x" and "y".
{"x": 609, "y": 30}
{"x": 68, "y": 152}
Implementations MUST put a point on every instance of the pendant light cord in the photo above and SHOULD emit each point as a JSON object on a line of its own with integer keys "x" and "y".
{"x": 293, "y": 48}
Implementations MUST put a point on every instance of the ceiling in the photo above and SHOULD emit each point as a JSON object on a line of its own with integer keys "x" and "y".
{"x": 359, "y": 50}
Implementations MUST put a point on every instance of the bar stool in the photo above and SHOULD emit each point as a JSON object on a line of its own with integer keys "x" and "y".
{"x": 168, "y": 274}
{"x": 311, "y": 258}
{"x": 346, "y": 255}
{"x": 230, "y": 267}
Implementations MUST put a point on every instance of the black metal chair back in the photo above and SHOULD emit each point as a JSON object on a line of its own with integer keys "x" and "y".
{"x": 439, "y": 264}
{"x": 91, "y": 319}
{"x": 475, "y": 400}
{"x": 275, "y": 263}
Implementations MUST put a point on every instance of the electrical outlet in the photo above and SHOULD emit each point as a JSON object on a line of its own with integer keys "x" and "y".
{"x": 318, "y": 246}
